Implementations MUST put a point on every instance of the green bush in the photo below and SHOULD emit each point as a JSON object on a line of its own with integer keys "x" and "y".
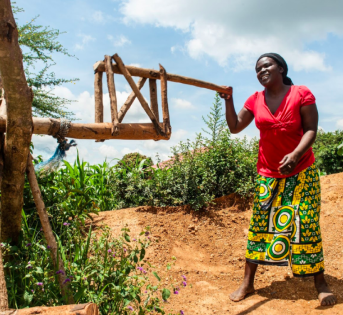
{"x": 132, "y": 160}
{"x": 326, "y": 149}
{"x": 198, "y": 172}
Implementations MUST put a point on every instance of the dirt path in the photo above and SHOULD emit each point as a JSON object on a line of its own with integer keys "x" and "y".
{"x": 210, "y": 249}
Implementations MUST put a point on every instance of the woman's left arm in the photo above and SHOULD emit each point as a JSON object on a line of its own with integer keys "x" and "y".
{"x": 309, "y": 119}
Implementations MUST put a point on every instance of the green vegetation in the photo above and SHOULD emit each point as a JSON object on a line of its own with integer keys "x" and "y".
{"x": 114, "y": 272}
{"x": 38, "y": 44}
{"x": 327, "y": 148}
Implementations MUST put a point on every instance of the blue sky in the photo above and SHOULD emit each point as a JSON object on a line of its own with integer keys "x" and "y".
{"x": 216, "y": 41}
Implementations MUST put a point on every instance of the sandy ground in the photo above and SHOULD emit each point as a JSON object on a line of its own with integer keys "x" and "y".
{"x": 210, "y": 248}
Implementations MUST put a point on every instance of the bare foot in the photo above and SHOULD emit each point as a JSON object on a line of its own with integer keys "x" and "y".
{"x": 242, "y": 292}
{"x": 325, "y": 295}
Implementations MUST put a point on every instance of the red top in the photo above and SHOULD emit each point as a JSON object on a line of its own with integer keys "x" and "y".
{"x": 280, "y": 133}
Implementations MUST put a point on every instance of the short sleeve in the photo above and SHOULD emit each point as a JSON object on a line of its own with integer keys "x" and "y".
{"x": 250, "y": 103}
{"x": 306, "y": 96}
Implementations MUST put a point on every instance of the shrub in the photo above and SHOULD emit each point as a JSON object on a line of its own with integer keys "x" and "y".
{"x": 326, "y": 149}
{"x": 132, "y": 160}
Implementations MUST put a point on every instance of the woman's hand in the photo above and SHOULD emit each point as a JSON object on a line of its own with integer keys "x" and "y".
{"x": 288, "y": 163}
{"x": 228, "y": 95}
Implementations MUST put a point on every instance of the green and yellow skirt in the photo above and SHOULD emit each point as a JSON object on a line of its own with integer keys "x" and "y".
{"x": 284, "y": 226}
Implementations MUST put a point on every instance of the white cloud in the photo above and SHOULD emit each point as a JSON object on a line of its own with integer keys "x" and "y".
{"x": 236, "y": 32}
{"x": 83, "y": 107}
{"x": 119, "y": 40}
{"x": 179, "y": 103}
{"x": 339, "y": 124}
{"x": 108, "y": 151}
{"x": 98, "y": 17}
{"x": 85, "y": 39}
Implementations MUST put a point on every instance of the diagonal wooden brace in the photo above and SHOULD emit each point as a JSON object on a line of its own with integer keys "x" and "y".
{"x": 113, "y": 97}
{"x": 134, "y": 88}
{"x": 129, "y": 101}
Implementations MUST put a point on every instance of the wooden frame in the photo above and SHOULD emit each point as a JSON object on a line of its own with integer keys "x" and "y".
{"x": 160, "y": 131}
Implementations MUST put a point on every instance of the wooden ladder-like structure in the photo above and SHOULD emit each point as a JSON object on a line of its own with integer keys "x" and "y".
{"x": 162, "y": 130}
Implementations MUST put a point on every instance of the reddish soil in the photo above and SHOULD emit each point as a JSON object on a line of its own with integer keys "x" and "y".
{"x": 210, "y": 248}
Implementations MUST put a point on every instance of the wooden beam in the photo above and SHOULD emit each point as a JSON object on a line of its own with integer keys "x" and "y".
{"x": 113, "y": 97}
{"x": 50, "y": 126}
{"x": 130, "y": 100}
{"x": 164, "y": 97}
{"x": 153, "y": 98}
{"x": 48, "y": 233}
{"x": 154, "y": 74}
{"x": 134, "y": 88}
{"x": 98, "y": 97}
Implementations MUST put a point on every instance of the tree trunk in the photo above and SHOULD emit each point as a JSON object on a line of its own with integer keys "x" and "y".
{"x": 19, "y": 125}
{"x": 3, "y": 288}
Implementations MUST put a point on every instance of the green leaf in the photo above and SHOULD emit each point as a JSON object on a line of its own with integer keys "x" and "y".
{"x": 39, "y": 270}
{"x": 142, "y": 255}
{"x": 156, "y": 275}
{"x": 165, "y": 294}
{"x": 127, "y": 237}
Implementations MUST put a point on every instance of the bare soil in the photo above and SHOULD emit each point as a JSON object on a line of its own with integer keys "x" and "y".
{"x": 210, "y": 248}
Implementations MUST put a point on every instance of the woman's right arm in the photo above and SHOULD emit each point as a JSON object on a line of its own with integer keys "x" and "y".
{"x": 236, "y": 122}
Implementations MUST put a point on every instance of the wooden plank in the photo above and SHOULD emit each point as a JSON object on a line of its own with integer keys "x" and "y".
{"x": 98, "y": 97}
{"x": 113, "y": 97}
{"x": 78, "y": 309}
{"x": 130, "y": 100}
{"x": 134, "y": 88}
{"x": 164, "y": 97}
{"x": 48, "y": 233}
{"x": 154, "y": 74}
{"x": 153, "y": 98}
{"x": 49, "y": 126}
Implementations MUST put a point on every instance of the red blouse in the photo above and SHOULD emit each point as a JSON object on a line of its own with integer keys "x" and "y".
{"x": 281, "y": 132}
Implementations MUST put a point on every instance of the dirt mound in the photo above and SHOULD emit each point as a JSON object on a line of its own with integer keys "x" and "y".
{"x": 210, "y": 248}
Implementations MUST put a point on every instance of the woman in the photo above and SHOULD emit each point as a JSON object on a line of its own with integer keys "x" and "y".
{"x": 285, "y": 223}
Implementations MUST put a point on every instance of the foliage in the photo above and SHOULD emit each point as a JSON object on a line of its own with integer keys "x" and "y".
{"x": 199, "y": 171}
{"x": 38, "y": 44}
{"x": 215, "y": 122}
{"x": 132, "y": 160}
{"x": 112, "y": 272}
{"x": 326, "y": 150}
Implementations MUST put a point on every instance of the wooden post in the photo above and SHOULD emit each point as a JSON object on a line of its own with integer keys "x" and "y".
{"x": 49, "y": 236}
{"x": 3, "y": 288}
{"x": 19, "y": 98}
{"x": 153, "y": 98}
{"x": 130, "y": 100}
{"x": 98, "y": 97}
{"x": 164, "y": 96}
{"x": 113, "y": 97}
{"x": 134, "y": 88}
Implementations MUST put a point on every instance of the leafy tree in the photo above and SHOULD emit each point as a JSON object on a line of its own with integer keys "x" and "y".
{"x": 132, "y": 160}
{"x": 215, "y": 122}
{"x": 38, "y": 44}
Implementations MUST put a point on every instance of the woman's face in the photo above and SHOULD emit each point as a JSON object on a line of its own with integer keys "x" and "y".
{"x": 268, "y": 71}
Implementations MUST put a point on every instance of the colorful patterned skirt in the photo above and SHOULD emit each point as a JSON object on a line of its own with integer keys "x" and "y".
{"x": 285, "y": 226}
